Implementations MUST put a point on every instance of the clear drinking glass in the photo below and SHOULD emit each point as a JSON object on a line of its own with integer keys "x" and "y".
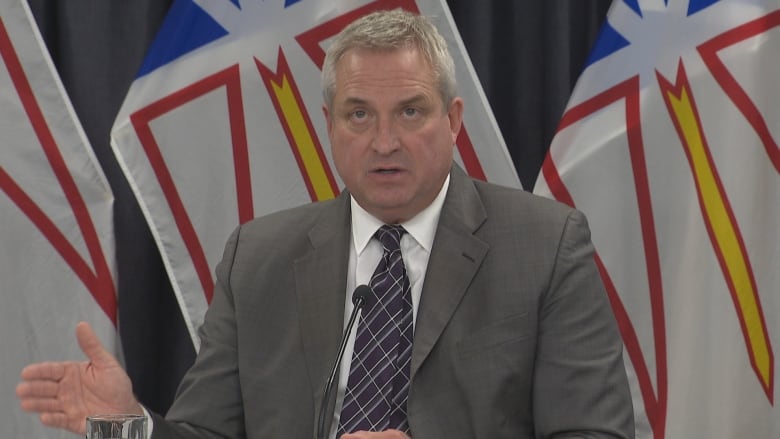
{"x": 116, "y": 427}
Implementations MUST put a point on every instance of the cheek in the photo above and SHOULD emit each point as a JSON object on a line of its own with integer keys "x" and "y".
{"x": 346, "y": 154}
{"x": 340, "y": 156}
{"x": 439, "y": 145}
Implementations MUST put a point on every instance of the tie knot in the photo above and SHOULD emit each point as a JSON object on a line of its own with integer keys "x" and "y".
{"x": 390, "y": 236}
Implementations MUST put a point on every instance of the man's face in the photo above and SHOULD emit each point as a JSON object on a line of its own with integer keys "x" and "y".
{"x": 391, "y": 137}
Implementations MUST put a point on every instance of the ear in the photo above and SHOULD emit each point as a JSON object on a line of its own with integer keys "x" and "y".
{"x": 455, "y": 115}
{"x": 328, "y": 120}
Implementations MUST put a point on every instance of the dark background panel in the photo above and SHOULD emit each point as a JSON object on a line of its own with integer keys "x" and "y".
{"x": 527, "y": 55}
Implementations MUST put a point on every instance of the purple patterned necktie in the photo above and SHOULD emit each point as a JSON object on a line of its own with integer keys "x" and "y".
{"x": 378, "y": 384}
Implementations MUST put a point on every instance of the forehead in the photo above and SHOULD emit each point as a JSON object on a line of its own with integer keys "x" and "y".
{"x": 384, "y": 72}
{"x": 405, "y": 62}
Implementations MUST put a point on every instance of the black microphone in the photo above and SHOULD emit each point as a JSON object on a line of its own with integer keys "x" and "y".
{"x": 358, "y": 300}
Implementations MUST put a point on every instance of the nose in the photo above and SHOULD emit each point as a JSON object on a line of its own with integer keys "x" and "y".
{"x": 385, "y": 137}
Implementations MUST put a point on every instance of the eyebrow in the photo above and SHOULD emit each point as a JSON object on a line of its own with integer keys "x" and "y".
{"x": 355, "y": 101}
{"x": 416, "y": 99}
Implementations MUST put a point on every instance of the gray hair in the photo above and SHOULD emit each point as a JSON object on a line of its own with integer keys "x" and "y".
{"x": 390, "y": 30}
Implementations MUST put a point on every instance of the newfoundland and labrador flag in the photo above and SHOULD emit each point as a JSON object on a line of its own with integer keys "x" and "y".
{"x": 224, "y": 123}
{"x": 669, "y": 144}
{"x": 56, "y": 230}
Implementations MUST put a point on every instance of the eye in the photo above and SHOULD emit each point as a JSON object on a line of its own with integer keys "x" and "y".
{"x": 410, "y": 112}
{"x": 358, "y": 115}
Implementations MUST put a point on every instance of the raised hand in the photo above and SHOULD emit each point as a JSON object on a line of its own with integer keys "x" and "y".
{"x": 65, "y": 393}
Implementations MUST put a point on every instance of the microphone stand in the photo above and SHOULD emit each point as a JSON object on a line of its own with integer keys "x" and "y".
{"x": 358, "y": 300}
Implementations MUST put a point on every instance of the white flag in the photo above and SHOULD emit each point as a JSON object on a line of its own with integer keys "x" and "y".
{"x": 56, "y": 238}
{"x": 669, "y": 144}
{"x": 224, "y": 123}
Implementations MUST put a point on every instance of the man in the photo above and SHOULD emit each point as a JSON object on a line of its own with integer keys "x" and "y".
{"x": 512, "y": 331}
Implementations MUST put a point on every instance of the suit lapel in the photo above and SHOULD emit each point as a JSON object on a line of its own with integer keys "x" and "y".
{"x": 455, "y": 257}
{"x": 320, "y": 278}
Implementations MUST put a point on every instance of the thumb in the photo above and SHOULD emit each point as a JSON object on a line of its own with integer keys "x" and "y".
{"x": 91, "y": 346}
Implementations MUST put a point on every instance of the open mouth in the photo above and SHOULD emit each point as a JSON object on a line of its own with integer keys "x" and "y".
{"x": 386, "y": 170}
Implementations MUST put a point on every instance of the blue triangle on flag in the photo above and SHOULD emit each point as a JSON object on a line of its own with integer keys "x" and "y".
{"x": 290, "y": 2}
{"x": 634, "y": 5}
{"x": 185, "y": 28}
{"x": 697, "y": 5}
{"x": 608, "y": 42}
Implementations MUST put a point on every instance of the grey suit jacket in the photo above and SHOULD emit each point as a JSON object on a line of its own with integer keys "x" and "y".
{"x": 514, "y": 336}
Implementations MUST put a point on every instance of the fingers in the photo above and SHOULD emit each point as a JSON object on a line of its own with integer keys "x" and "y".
{"x": 41, "y": 405}
{"x": 56, "y": 419}
{"x": 91, "y": 346}
{"x": 63, "y": 421}
{"x": 37, "y": 389}
{"x": 41, "y": 397}
{"x": 38, "y": 395}
{"x": 43, "y": 371}
{"x": 40, "y": 382}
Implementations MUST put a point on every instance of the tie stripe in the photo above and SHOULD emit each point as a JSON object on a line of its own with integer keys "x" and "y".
{"x": 378, "y": 384}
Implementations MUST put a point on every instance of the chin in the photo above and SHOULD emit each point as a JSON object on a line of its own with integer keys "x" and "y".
{"x": 390, "y": 213}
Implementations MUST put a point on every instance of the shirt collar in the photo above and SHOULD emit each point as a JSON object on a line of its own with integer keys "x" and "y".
{"x": 422, "y": 227}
